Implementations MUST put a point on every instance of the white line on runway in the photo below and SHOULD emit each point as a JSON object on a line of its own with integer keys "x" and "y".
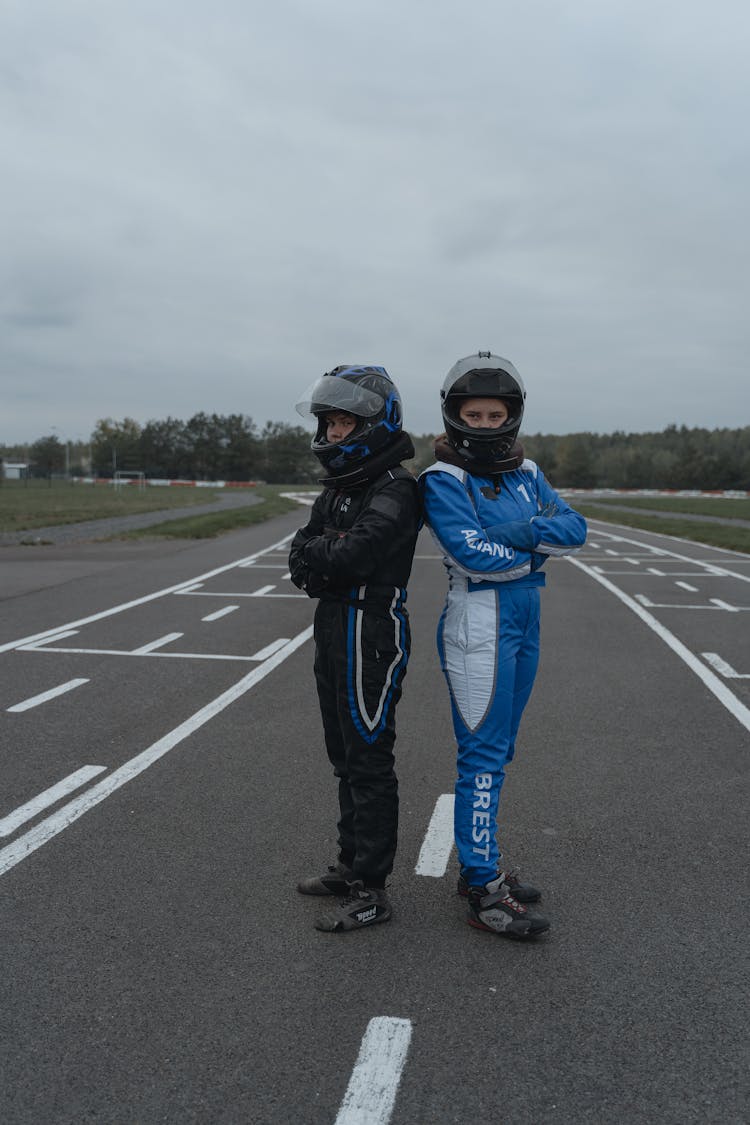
{"x": 720, "y": 690}
{"x": 148, "y": 655}
{"x": 263, "y": 590}
{"x": 725, "y": 605}
{"x": 371, "y": 1093}
{"x": 153, "y": 645}
{"x": 707, "y": 567}
{"x": 180, "y": 587}
{"x": 723, "y": 668}
{"x": 688, "y": 587}
{"x": 269, "y": 650}
{"x": 237, "y": 594}
{"x": 220, "y": 613}
{"x": 45, "y": 695}
{"x": 43, "y": 800}
{"x": 437, "y": 844}
{"x": 23, "y": 847}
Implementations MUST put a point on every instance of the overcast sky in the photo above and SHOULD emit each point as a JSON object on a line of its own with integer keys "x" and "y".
{"x": 206, "y": 206}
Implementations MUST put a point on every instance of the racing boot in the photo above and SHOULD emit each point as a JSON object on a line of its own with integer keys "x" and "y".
{"x": 335, "y": 882}
{"x": 363, "y": 906}
{"x": 521, "y": 892}
{"x": 493, "y": 908}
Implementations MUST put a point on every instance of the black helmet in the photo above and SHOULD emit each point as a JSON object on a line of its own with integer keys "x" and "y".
{"x": 371, "y": 396}
{"x": 483, "y": 375}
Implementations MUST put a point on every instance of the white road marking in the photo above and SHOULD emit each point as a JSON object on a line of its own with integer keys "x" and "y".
{"x": 263, "y": 590}
{"x": 438, "y": 842}
{"x": 635, "y": 562}
{"x": 177, "y": 589}
{"x": 23, "y": 847}
{"x": 371, "y": 1093}
{"x": 708, "y": 567}
{"x": 269, "y": 650}
{"x": 153, "y": 645}
{"x": 264, "y": 566}
{"x": 722, "y": 693}
{"x": 687, "y": 586}
{"x": 147, "y": 655}
{"x": 725, "y": 605}
{"x": 723, "y": 668}
{"x": 653, "y": 570}
{"x": 220, "y": 613}
{"x": 45, "y": 695}
{"x": 48, "y": 640}
{"x": 43, "y": 800}
{"x": 239, "y": 594}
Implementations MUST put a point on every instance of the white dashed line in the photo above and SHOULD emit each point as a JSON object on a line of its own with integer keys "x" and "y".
{"x": 269, "y": 650}
{"x": 220, "y": 613}
{"x": 723, "y": 668}
{"x": 437, "y": 844}
{"x": 371, "y": 1093}
{"x": 45, "y": 695}
{"x": 153, "y": 645}
{"x": 263, "y": 590}
{"x": 688, "y": 587}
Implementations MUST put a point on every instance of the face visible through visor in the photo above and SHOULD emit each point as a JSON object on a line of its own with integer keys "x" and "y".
{"x": 331, "y": 393}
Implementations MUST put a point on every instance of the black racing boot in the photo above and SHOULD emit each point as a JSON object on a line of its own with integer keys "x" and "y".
{"x": 493, "y": 908}
{"x": 335, "y": 882}
{"x": 363, "y": 906}
{"x": 521, "y": 892}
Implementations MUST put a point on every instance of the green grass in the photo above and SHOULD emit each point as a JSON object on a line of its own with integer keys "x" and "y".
{"x": 217, "y": 523}
{"x": 25, "y": 505}
{"x": 726, "y": 507}
{"x": 724, "y": 536}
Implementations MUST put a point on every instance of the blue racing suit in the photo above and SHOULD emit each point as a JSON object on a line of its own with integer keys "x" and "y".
{"x": 495, "y": 534}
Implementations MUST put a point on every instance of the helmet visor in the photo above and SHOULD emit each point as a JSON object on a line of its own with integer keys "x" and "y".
{"x": 332, "y": 393}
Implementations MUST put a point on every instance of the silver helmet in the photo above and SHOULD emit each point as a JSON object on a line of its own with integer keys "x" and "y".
{"x": 482, "y": 375}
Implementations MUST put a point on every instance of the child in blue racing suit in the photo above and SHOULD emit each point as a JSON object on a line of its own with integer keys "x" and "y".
{"x": 496, "y": 520}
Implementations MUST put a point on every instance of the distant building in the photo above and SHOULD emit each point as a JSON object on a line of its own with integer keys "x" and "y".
{"x": 14, "y": 470}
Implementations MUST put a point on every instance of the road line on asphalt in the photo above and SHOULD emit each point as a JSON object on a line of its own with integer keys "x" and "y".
{"x": 723, "y": 668}
{"x": 438, "y": 842}
{"x": 263, "y": 590}
{"x": 220, "y": 613}
{"x": 49, "y": 797}
{"x": 371, "y": 1093}
{"x": 712, "y": 682}
{"x": 180, "y": 587}
{"x": 25, "y": 845}
{"x": 708, "y": 567}
{"x": 35, "y": 700}
{"x": 153, "y": 645}
{"x": 269, "y": 650}
{"x": 688, "y": 587}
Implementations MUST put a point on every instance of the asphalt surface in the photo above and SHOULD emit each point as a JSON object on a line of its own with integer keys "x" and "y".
{"x": 158, "y": 965}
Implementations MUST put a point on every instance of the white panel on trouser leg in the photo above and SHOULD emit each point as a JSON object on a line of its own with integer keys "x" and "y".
{"x": 470, "y": 641}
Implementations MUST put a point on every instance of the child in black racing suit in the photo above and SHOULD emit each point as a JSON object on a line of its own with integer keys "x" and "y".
{"x": 355, "y": 556}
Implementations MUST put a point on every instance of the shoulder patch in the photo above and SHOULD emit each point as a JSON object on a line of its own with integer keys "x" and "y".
{"x": 386, "y": 505}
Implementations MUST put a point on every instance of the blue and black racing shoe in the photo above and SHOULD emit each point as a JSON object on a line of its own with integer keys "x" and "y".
{"x": 521, "y": 892}
{"x": 493, "y": 908}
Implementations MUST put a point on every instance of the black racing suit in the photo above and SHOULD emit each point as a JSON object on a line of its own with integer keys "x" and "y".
{"x": 355, "y": 555}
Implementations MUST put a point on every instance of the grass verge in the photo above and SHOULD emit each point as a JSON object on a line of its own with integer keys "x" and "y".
{"x": 28, "y": 505}
{"x": 218, "y": 523}
{"x": 724, "y": 536}
{"x": 725, "y": 507}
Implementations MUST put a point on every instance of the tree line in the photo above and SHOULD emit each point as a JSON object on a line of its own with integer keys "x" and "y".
{"x": 233, "y": 447}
